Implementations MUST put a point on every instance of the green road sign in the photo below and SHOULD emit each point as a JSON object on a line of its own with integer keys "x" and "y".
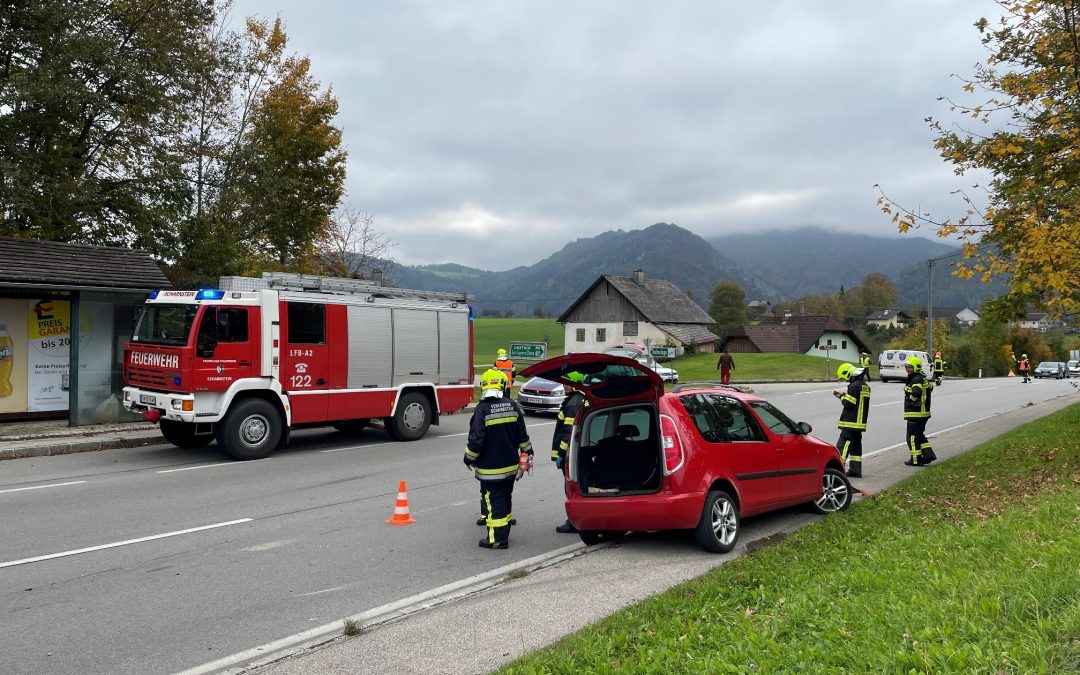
{"x": 528, "y": 351}
{"x": 662, "y": 352}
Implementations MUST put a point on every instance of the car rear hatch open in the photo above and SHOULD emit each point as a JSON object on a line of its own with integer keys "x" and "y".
{"x": 616, "y": 448}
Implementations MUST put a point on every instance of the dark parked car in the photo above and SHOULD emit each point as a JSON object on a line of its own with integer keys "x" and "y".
{"x": 700, "y": 457}
{"x": 1054, "y": 369}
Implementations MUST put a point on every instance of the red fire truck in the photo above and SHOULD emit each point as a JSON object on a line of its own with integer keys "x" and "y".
{"x": 246, "y": 362}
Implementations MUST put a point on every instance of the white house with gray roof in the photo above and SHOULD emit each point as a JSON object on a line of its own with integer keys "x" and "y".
{"x": 618, "y": 310}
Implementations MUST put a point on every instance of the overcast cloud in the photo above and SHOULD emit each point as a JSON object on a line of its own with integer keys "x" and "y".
{"x": 492, "y": 132}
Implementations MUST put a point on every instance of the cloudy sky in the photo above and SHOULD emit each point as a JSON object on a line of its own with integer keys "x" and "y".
{"x": 492, "y": 132}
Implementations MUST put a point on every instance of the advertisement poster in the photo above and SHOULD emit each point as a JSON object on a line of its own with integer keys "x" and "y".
{"x": 12, "y": 355}
{"x": 49, "y": 347}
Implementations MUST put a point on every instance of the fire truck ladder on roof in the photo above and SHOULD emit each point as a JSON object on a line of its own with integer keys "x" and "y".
{"x": 310, "y": 283}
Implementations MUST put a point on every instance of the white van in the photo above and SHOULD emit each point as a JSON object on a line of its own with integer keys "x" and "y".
{"x": 891, "y": 364}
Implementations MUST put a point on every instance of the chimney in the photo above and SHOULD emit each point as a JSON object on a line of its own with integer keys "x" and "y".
{"x": 639, "y": 277}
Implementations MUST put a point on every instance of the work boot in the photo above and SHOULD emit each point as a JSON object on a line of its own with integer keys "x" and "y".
{"x": 484, "y": 543}
{"x": 929, "y": 455}
{"x": 911, "y": 463}
{"x": 566, "y": 528}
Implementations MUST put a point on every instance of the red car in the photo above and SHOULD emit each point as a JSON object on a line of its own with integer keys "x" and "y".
{"x": 699, "y": 457}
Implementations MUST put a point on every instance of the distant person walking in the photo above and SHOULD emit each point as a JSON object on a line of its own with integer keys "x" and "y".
{"x": 1025, "y": 368}
{"x": 864, "y": 363}
{"x": 939, "y": 368}
{"x": 725, "y": 365}
{"x": 917, "y": 390}
{"x": 852, "y": 424}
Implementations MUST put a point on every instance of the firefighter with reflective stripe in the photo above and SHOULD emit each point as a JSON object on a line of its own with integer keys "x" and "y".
{"x": 572, "y": 407}
{"x": 939, "y": 368}
{"x": 499, "y": 452}
{"x": 1025, "y": 368}
{"x": 505, "y": 365}
{"x": 864, "y": 363}
{"x": 917, "y": 392}
{"x": 852, "y": 424}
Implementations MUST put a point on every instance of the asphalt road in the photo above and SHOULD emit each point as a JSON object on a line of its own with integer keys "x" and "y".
{"x": 103, "y": 569}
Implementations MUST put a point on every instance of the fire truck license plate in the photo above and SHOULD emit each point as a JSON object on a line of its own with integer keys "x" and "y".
{"x": 148, "y": 399}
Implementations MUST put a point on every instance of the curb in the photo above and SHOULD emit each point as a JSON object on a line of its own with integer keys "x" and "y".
{"x": 59, "y": 447}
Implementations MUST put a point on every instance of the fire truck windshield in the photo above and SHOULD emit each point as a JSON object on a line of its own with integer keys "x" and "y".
{"x": 165, "y": 324}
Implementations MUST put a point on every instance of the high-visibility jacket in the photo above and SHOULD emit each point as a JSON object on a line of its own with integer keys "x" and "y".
{"x": 497, "y": 437}
{"x": 1024, "y": 365}
{"x": 507, "y": 368}
{"x": 864, "y": 362}
{"x": 917, "y": 392}
{"x": 856, "y": 405}
{"x": 572, "y": 406}
{"x": 939, "y": 365}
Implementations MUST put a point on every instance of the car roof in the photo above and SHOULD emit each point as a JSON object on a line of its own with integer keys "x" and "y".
{"x": 713, "y": 388}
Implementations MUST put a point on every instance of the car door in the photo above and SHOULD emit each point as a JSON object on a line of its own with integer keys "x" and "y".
{"x": 737, "y": 448}
{"x": 799, "y": 458}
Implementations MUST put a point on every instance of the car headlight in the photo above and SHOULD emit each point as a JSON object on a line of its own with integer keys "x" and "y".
{"x": 558, "y": 391}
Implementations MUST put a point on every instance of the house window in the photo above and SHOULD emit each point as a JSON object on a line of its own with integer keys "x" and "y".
{"x": 580, "y": 335}
{"x": 601, "y": 334}
{"x": 843, "y": 344}
{"x": 629, "y": 328}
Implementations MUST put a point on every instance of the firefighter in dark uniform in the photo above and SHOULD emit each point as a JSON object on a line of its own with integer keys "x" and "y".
{"x": 572, "y": 406}
{"x": 864, "y": 363}
{"x": 917, "y": 391}
{"x": 853, "y": 417}
{"x": 939, "y": 368}
{"x": 499, "y": 453}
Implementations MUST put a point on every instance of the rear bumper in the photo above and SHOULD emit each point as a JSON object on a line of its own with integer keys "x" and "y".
{"x": 659, "y": 511}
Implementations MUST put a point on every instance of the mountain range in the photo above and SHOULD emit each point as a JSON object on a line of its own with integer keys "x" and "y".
{"x": 771, "y": 265}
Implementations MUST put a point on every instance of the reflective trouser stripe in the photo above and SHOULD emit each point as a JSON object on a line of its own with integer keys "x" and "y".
{"x": 844, "y": 450}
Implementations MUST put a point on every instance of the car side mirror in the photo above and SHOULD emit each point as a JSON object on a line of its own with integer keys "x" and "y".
{"x": 804, "y": 428}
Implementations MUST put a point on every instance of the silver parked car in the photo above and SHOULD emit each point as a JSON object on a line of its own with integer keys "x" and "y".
{"x": 1074, "y": 368}
{"x": 541, "y": 396}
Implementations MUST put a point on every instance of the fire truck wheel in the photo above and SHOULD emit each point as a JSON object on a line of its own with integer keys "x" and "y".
{"x": 182, "y": 435}
{"x": 251, "y": 430}
{"x": 412, "y": 419}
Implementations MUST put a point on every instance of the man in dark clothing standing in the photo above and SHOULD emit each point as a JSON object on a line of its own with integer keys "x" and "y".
{"x": 917, "y": 390}
{"x": 572, "y": 406}
{"x": 499, "y": 452}
{"x": 852, "y": 424}
{"x": 725, "y": 365}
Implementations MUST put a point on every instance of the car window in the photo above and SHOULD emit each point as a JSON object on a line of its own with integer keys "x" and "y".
{"x": 778, "y": 422}
{"x": 735, "y": 419}
{"x": 705, "y": 420}
{"x": 632, "y": 424}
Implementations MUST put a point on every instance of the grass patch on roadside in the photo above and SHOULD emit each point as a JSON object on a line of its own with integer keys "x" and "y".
{"x": 757, "y": 367}
{"x": 972, "y": 565}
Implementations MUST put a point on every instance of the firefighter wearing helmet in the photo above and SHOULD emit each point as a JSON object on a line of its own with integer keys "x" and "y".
{"x": 571, "y": 408}
{"x": 917, "y": 391}
{"x": 505, "y": 365}
{"x": 1025, "y": 368}
{"x": 939, "y": 368}
{"x": 852, "y": 424}
{"x": 499, "y": 453}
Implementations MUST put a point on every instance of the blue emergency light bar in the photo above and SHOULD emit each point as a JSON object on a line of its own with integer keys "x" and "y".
{"x": 153, "y": 294}
{"x": 210, "y": 294}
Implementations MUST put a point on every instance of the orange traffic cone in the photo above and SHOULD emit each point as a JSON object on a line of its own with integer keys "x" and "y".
{"x": 401, "y": 508}
{"x": 1011, "y": 373}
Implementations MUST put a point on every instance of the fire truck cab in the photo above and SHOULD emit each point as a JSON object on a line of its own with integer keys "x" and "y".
{"x": 244, "y": 363}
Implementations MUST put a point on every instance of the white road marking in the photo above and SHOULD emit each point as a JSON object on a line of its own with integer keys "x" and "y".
{"x": 936, "y": 433}
{"x": 40, "y": 487}
{"x": 13, "y": 563}
{"x": 325, "y": 590}
{"x": 205, "y": 466}
{"x": 984, "y": 389}
{"x": 878, "y": 405}
{"x": 358, "y": 447}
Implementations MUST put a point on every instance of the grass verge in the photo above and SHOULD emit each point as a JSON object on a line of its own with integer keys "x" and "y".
{"x": 971, "y": 566}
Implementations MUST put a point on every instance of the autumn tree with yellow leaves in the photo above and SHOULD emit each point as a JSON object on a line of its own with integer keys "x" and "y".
{"x": 1024, "y": 224}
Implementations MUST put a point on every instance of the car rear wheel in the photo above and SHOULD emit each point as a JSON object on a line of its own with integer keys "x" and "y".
{"x": 835, "y": 492}
{"x": 718, "y": 529}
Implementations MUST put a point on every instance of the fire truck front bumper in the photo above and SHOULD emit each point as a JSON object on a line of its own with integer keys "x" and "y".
{"x": 153, "y": 405}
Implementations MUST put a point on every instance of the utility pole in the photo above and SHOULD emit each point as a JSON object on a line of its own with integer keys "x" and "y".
{"x": 930, "y": 300}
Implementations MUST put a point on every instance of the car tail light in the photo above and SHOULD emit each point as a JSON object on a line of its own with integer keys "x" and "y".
{"x": 673, "y": 449}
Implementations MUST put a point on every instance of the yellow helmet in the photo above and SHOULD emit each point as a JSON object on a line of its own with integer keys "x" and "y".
{"x": 575, "y": 376}
{"x": 501, "y": 354}
{"x": 845, "y": 371}
{"x": 915, "y": 363}
{"x": 492, "y": 379}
